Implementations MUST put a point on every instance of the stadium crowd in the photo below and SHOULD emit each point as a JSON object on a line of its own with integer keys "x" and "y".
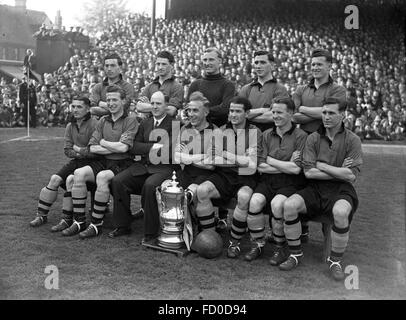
{"x": 367, "y": 62}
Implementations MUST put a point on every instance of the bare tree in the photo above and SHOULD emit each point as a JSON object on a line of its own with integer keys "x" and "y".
{"x": 98, "y": 15}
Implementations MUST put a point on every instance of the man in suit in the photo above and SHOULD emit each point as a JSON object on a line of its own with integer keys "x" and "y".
{"x": 153, "y": 143}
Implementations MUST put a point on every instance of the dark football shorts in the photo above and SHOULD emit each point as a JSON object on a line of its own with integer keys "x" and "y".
{"x": 271, "y": 185}
{"x": 320, "y": 197}
{"x": 192, "y": 175}
{"x": 228, "y": 183}
{"x": 71, "y": 166}
{"x": 116, "y": 166}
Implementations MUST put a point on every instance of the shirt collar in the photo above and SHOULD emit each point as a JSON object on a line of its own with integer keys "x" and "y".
{"x": 229, "y": 125}
{"x": 110, "y": 119}
{"x": 289, "y": 132}
{"x": 159, "y": 121}
{"x": 329, "y": 81}
{"x": 255, "y": 82}
{"x": 156, "y": 80}
{"x": 216, "y": 76}
{"x": 210, "y": 126}
{"x": 322, "y": 129}
{"x": 85, "y": 118}
{"x": 106, "y": 80}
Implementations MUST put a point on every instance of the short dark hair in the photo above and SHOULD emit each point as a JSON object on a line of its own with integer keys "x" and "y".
{"x": 319, "y": 52}
{"x": 84, "y": 99}
{"x": 114, "y": 56}
{"x": 116, "y": 88}
{"x": 166, "y": 55}
{"x": 342, "y": 104}
{"x": 264, "y": 53}
{"x": 290, "y": 105}
{"x": 241, "y": 100}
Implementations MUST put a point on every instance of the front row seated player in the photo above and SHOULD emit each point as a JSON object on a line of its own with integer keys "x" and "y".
{"x": 113, "y": 137}
{"x": 331, "y": 159}
{"x": 194, "y": 146}
{"x": 279, "y": 161}
{"x": 235, "y": 158}
{"x": 77, "y": 135}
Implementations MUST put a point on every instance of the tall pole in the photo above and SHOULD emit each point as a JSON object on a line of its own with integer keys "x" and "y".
{"x": 28, "y": 101}
{"x": 153, "y": 21}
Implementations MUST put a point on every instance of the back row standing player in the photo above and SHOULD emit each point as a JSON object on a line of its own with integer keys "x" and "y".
{"x": 164, "y": 82}
{"x": 112, "y": 67}
{"x": 263, "y": 90}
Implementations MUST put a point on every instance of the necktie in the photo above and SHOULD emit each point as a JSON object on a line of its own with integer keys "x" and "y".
{"x": 156, "y": 124}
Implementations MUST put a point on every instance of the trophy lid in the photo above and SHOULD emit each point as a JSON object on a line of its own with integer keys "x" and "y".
{"x": 172, "y": 186}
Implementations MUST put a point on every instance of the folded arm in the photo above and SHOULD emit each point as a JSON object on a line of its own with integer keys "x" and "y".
{"x": 288, "y": 167}
{"x": 114, "y": 147}
{"x": 340, "y": 173}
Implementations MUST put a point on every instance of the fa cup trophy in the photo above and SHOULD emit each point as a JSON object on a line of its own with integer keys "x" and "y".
{"x": 172, "y": 206}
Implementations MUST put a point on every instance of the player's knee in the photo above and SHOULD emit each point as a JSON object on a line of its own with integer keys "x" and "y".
{"x": 103, "y": 179}
{"x": 277, "y": 207}
{"x": 202, "y": 192}
{"x": 341, "y": 214}
{"x": 55, "y": 181}
{"x": 243, "y": 198}
{"x": 256, "y": 203}
{"x": 69, "y": 181}
{"x": 79, "y": 176}
{"x": 290, "y": 209}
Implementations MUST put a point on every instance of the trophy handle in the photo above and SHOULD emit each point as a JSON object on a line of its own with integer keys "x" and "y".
{"x": 187, "y": 223}
{"x": 159, "y": 199}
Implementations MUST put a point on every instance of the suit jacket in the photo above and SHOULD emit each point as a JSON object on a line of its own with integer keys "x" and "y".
{"x": 143, "y": 144}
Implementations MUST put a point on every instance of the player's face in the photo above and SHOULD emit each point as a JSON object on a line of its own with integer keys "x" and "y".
{"x": 320, "y": 67}
{"x": 112, "y": 68}
{"x": 237, "y": 114}
{"x": 114, "y": 102}
{"x": 211, "y": 63}
{"x": 163, "y": 67}
{"x": 331, "y": 116}
{"x": 196, "y": 112}
{"x": 158, "y": 105}
{"x": 79, "y": 109}
{"x": 281, "y": 115}
{"x": 262, "y": 66}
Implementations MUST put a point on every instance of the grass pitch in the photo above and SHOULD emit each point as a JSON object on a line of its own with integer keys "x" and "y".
{"x": 105, "y": 268}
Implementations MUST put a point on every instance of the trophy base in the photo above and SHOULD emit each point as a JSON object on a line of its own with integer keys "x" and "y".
{"x": 153, "y": 244}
